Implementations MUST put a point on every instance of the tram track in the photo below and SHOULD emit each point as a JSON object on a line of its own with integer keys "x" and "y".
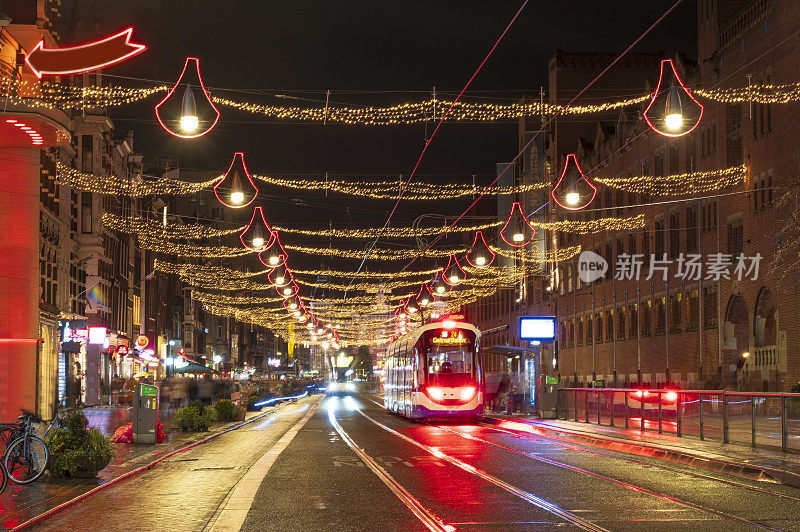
{"x": 540, "y": 503}
{"x": 633, "y": 487}
{"x": 580, "y": 447}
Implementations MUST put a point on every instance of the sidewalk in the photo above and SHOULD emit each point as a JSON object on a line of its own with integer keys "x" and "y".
{"x": 734, "y": 459}
{"x": 20, "y": 503}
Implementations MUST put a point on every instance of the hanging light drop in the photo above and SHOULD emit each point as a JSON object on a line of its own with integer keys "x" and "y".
{"x": 281, "y": 276}
{"x": 453, "y": 273}
{"x": 480, "y": 255}
{"x": 236, "y": 189}
{"x": 258, "y": 235}
{"x": 424, "y": 296}
{"x": 438, "y": 286}
{"x": 273, "y": 254}
{"x": 187, "y": 118}
{"x": 517, "y": 231}
{"x": 573, "y": 191}
{"x": 673, "y": 110}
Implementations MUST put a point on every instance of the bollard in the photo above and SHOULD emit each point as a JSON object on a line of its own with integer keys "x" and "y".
{"x": 678, "y": 415}
{"x": 725, "y": 437}
{"x": 784, "y": 435}
{"x": 660, "y": 397}
{"x": 702, "y": 435}
{"x": 752, "y": 421}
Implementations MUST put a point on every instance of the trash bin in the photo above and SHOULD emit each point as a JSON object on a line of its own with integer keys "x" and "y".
{"x": 548, "y": 396}
{"x": 145, "y": 413}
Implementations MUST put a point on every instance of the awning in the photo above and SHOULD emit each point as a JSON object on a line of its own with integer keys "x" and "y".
{"x": 194, "y": 368}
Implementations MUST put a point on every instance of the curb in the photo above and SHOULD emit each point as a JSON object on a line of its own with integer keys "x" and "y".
{"x": 737, "y": 469}
{"x": 145, "y": 467}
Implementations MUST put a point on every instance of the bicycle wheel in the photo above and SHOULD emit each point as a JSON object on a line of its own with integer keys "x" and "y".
{"x": 3, "y": 478}
{"x": 26, "y": 460}
{"x": 8, "y": 434}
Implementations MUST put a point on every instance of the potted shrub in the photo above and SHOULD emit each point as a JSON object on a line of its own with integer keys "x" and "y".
{"x": 77, "y": 451}
{"x": 196, "y": 416}
{"x": 227, "y": 411}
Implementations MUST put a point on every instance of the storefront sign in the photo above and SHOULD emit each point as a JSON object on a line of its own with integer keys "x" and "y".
{"x": 142, "y": 341}
{"x": 97, "y": 335}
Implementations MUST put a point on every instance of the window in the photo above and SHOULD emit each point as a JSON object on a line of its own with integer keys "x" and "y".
{"x": 621, "y": 322}
{"x": 632, "y": 244}
{"x": 598, "y": 331}
{"x": 646, "y": 246}
{"x": 219, "y": 331}
{"x": 571, "y": 338}
{"x": 659, "y": 234}
{"x": 691, "y": 229}
{"x": 735, "y": 237}
{"x": 634, "y": 315}
{"x": 579, "y": 340}
{"x": 87, "y": 153}
{"x": 769, "y": 187}
{"x": 86, "y": 212}
{"x": 563, "y": 329}
{"x": 647, "y": 311}
{"x": 755, "y": 196}
{"x": 609, "y": 325}
{"x": 673, "y": 160}
{"x": 710, "y": 305}
{"x": 692, "y": 310}
{"x": 675, "y": 312}
{"x": 674, "y": 234}
{"x": 661, "y": 316}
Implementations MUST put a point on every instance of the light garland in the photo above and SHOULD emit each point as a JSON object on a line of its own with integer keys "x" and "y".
{"x": 585, "y": 227}
{"x": 390, "y": 232}
{"x": 187, "y": 250}
{"x": 115, "y": 186}
{"x": 376, "y": 254}
{"x": 51, "y": 95}
{"x": 679, "y": 184}
{"x": 155, "y": 229}
{"x": 533, "y": 256}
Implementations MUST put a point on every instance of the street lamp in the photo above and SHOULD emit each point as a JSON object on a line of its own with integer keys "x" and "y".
{"x": 189, "y": 120}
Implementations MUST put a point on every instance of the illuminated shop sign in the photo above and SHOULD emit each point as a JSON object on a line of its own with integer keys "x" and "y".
{"x": 450, "y": 340}
{"x": 537, "y": 328}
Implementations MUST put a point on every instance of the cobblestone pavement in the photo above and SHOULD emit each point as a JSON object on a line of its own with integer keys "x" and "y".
{"x": 184, "y": 491}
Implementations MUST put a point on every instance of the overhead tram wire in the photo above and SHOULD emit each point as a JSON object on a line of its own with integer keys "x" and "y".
{"x": 549, "y": 120}
{"x": 433, "y": 135}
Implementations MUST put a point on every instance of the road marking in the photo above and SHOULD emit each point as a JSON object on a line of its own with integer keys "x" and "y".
{"x": 425, "y": 516}
{"x": 236, "y": 508}
{"x": 529, "y": 497}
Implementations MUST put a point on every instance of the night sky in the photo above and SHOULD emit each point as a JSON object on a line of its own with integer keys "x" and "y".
{"x": 365, "y": 52}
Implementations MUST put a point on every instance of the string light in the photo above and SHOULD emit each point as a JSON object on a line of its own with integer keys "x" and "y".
{"x": 377, "y": 254}
{"x": 115, "y": 186}
{"x": 585, "y": 227}
{"x": 679, "y": 184}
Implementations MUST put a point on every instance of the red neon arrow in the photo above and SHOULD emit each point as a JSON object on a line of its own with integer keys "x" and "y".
{"x": 83, "y": 58}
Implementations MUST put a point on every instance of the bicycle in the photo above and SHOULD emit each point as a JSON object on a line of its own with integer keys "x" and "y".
{"x": 26, "y": 457}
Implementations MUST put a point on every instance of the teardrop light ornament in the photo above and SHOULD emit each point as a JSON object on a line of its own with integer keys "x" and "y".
{"x": 258, "y": 235}
{"x": 412, "y": 307}
{"x": 288, "y": 291}
{"x": 273, "y": 255}
{"x": 425, "y": 297}
{"x": 236, "y": 189}
{"x": 480, "y": 255}
{"x": 281, "y": 276}
{"x": 573, "y": 191}
{"x": 438, "y": 286}
{"x": 187, "y": 111}
{"x": 454, "y": 274}
{"x": 518, "y": 231}
{"x": 673, "y": 110}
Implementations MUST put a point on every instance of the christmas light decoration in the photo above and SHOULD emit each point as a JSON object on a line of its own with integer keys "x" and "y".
{"x": 411, "y": 306}
{"x": 679, "y": 184}
{"x": 376, "y": 255}
{"x": 288, "y": 290}
{"x": 517, "y": 231}
{"x": 439, "y": 286}
{"x": 454, "y": 274}
{"x": 188, "y": 119}
{"x": 673, "y": 110}
{"x": 236, "y": 189}
{"x": 281, "y": 276}
{"x": 258, "y": 235}
{"x": 585, "y": 227}
{"x": 274, "y": 255}
{"x": 480, "y": 255}
{"x": 573, "y": 191}
{"x": 390, "y": 232}
{"x": 122, "y": 187}
{"x": 425, "y": 297}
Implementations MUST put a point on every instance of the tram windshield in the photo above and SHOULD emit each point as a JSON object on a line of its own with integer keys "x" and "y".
{"x": 449, "y": 356}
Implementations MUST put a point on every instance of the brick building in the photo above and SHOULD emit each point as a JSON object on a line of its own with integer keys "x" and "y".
{"x": 727, "y": 333}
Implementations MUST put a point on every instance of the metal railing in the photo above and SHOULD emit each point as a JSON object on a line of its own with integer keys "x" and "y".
{"x": 756, "y": 419}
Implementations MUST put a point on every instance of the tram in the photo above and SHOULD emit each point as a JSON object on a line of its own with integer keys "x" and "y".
{"x": 435, "y": 371}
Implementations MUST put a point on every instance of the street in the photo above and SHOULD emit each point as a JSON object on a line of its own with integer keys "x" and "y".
{"x": 354, "y": 466}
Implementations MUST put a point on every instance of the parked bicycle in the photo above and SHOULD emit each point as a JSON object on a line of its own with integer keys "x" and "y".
{"x": 26, "y": 455}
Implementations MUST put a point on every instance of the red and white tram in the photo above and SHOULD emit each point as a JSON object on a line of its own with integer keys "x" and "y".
{"x": 435, "y": 371}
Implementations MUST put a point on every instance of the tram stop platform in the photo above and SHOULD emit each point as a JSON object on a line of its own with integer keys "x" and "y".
{"x": 753, "y": 463}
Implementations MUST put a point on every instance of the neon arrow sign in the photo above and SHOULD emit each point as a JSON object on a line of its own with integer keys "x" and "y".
{"x": 83, "y": 58}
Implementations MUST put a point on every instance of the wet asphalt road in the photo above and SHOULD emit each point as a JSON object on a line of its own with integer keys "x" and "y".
{"x": 452, "y": 476}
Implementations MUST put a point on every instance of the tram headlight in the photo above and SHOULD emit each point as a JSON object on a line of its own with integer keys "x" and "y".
{"x": 467, "y": 393}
